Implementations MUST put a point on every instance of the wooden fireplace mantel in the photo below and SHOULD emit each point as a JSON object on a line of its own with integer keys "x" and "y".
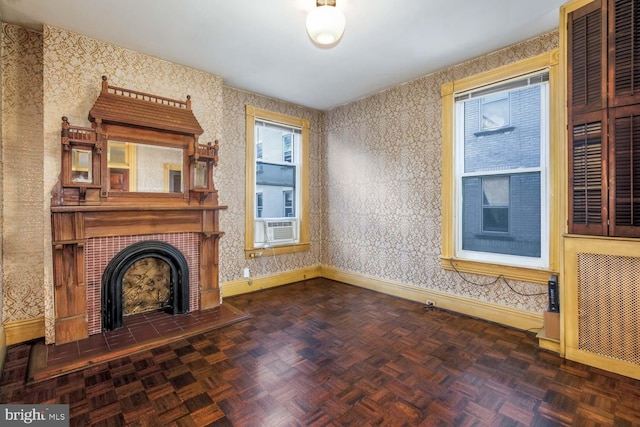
{"x": 72, "y": 227}
{"x": 88, "y": 203}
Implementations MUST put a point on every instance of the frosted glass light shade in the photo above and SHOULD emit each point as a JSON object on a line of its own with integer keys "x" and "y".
{"x": 325, "y": 24}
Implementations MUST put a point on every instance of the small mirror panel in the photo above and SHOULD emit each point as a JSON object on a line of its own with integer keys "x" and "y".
{"x": 81, "y": 166}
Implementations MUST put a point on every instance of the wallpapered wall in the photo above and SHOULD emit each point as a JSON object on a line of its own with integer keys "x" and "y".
{"x": 1, "y": 206}
{"x": 23, "y": 212}
{"x": 383, "y": 184}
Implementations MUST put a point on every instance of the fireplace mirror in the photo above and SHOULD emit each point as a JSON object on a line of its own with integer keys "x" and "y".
{"x": 144, "y": 168}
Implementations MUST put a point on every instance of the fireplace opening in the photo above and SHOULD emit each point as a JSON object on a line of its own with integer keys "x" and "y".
{"x": 145, "y": 276}
{"x": 146, "y": 286}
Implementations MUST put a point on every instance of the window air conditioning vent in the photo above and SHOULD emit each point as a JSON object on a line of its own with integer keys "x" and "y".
{"x": 276, "y": 231}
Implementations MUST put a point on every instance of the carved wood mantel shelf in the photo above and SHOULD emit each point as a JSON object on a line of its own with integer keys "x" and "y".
{"x": 139, "y": 170}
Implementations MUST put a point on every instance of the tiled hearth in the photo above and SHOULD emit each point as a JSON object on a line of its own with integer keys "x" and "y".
{"x": 140, "y": 332}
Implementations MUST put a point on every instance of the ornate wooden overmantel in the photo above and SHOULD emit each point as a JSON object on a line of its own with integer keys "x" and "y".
{"x": 92, "y": 199}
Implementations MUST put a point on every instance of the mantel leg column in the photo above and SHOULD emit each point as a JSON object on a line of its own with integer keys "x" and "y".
{"x": 70, "y": 292}
{"x": 209, "y": 286}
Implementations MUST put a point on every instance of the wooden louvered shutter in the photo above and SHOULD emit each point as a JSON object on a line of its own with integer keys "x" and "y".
{"x": 624, "y": 118}
{"x": 624, "y": 52}
{"x": 586, "y": 59}
{"x": 587, "y": 175}
{"x": 624, "y": 171}
{"x": 587, "y": 101}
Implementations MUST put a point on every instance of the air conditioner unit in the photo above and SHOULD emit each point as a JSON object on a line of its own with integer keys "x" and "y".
{"x": 275, "y": 231}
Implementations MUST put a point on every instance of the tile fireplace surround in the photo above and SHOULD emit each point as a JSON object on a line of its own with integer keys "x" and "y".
{"x": 99, "y": 251}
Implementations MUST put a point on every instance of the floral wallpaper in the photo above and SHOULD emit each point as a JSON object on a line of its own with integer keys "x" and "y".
{"x": 1, "y": 206}
{"x": 23, "y": 212}
{"x": 374, "y": 165}
{"x": 382, "y": 184}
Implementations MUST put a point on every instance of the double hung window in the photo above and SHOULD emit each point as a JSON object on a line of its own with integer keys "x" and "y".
{"x": 277, "y": 181}
{"x": 497, "y": 180}
{"x": 502, "y": 175}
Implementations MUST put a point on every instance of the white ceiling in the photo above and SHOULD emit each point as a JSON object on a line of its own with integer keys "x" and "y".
{"x": 262, "y": 46}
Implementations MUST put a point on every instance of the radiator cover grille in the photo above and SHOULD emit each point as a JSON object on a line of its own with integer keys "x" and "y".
{"x": 608, "y": 301}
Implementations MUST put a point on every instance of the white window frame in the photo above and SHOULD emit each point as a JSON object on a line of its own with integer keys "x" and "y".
{"x": 290, "y": 202}
{"x": 543, "y": 169}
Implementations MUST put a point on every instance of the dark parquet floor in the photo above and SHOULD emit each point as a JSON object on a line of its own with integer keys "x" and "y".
{"x": 321, "y": 353}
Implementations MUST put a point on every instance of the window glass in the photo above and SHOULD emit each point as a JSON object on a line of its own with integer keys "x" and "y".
{"x": 501, "y": 174}
{"x": 495, "y": 204}
{"x": 494, "y": 110}
{"x": 258, "y": 205}
{"x": 276, "y": 179}
{"x": 277, "y": 183}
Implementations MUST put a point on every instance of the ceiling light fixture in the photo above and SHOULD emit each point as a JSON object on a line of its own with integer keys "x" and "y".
{"x": 325, "y": 23}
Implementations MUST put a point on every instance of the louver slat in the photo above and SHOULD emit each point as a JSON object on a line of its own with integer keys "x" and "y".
{"x": 625, "y": 157}
{"x": 624, "y": 57}
{"x": 587, "y": 207}
{"x": 587, "y": 59}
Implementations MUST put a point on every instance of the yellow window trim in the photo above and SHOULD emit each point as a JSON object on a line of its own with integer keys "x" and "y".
{"x": 167, "y": 169}
{"x": 253, "y": 113}
{"x": 557, "y": 205}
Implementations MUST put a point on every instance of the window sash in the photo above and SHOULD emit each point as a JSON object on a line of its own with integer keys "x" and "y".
{"x": 459, "y": 158}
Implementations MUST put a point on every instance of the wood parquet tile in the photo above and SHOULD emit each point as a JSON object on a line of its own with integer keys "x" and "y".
{"x": 321, "y": 353}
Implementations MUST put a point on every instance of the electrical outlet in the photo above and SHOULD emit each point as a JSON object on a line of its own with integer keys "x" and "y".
{"x": 246, "y": 273}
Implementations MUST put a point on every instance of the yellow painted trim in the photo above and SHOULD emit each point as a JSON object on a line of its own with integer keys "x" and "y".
{"x": 604, "y": 363}
{"x": 557, "y": 169}
{"x": 251, "y": 114}
{"x": 563, "y": 142}
{"x": 511, "y": 317}
{"x": 487, "y": 269}
{"x": 276, "y": 250}
{"x": 24, "y": 330}
{"x": 249, "y": 167}
{"x": 594, "y": 245}
{"x": 166, "y": 168}
{"x": 548, "y": 344}
{"x": 448, "y": 162}
{"x": 253, "y": 284}
{"x": 3, "y": 348}
{"x": 509, "y": 71}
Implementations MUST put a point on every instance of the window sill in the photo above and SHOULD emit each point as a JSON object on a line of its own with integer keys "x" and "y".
{"x": 530, "y": 275}
{"x": 495, "y": 131}
{"x": 275, "y": 250}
